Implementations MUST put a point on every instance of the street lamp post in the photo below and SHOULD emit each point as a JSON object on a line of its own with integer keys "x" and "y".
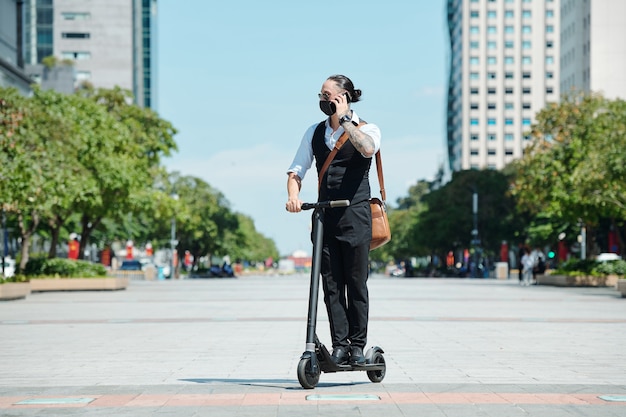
{"x": 475, "y": 239}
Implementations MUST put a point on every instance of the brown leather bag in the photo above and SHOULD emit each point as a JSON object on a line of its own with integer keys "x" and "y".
{"x": 381, "y": 233}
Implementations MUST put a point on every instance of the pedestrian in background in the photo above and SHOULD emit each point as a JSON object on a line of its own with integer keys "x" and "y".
{"x": 527, "y": 264}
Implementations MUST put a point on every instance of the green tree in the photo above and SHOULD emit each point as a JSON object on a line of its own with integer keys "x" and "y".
{"x": 574, "y": 169}
{"x": 127, "y": 163}
{"x": 448, "y": 222}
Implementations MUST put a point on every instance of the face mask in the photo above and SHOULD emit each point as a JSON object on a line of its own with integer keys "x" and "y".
{"x": 328, "y": 107}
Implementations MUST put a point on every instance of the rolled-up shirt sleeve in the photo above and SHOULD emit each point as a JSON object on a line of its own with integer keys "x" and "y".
{"x": 304, "y": 156}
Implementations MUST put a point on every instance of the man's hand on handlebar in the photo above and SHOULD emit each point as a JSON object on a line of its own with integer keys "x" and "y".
{"x": 293, "y": 205}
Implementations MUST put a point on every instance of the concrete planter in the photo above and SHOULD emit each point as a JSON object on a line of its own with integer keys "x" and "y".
{"x": 14, "y": 290}
{"x": 621, "y": 287}
{"x": 78, "y": 284}
{"x": 577, "y": 281}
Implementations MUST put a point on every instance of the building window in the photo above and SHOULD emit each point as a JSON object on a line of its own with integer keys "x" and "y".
{"x": 549, "y": 75}
{"x": 549, "y": 13}
{"x": 549, "y": 60}
{"x": 509, "y": 29}
{"x": 549, "y": 44}
{"x": 526, "y": 106}
{"x": 491, "y": 106}
{"x": 491, "y": 30}
{"x": 509, "y": 60}
{"x": 492, "y": 45}
{"x": 526, "y": 90}
{"x": 474, "y": 106}
{"x": 508, "y": 152}
{"x": 526, "y": 75}
{"x": 473, "y": 136}
{"x": 491, "y": 152}
{"x": 491, "y": 14}
{"x": 491, "y": 75}
{"x": 474, "y": 30}
{"x": 508, "y": 90}
{"x": 491, "y": 60}
{"x": 525, "y": 122}
{"x": 491, "y": 90}
{"x": 474, "y": 122}
{"x": 549, "y": 29}
{"x": 526, "y": 44}
{"x": 474, "y": 90}
{"x": 474, "y": 13}
{"x": 509, "y": 106}
{"x": 549, "y": 90}
{"x": 526, "y": 14}
{"x": 526, "y": 137}
{"x": 473, "y": 76}
{"x": 83, "y": 75}
{"x": 526, "y": 29}
{"x": 527, "y": 60}
{"x": 474, "y": 152}
{"x": 509, "y": 14}
{"x": 508, "y": 75}
{"x": 474, "y": 45}
{"x": 508, "y": 137}
{"x": 491, "y": 122}
{"x": 491, "y": 137}
{"x": 75, "y": 16}
{"x": 474, "y": 60}
{"x": 508, "y": 122}
{"x": 78, "y": 56}
{"x": 509, "y": 44}
{"x": 75, "y": 35}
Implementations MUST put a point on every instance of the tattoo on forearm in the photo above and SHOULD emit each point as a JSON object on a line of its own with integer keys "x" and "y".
{"x": 361, "y": 141}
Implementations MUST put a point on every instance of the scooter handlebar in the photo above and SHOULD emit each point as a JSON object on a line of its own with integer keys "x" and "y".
{"x": 326, "y": 204}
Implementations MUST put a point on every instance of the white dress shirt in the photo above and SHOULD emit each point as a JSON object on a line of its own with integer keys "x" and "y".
{"x": 304, "y": 156}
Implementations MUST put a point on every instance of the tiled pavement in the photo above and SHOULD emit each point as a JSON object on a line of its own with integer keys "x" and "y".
{"x": 230, "y": 347}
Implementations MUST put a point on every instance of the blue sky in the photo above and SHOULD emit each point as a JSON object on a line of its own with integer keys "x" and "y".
{"x": 239, "y": 80}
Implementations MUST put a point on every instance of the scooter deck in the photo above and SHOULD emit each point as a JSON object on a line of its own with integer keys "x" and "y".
{"x": 328, "y": 366}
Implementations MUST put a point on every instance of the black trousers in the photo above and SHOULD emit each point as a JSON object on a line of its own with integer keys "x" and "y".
{"x": 344, "y": 278}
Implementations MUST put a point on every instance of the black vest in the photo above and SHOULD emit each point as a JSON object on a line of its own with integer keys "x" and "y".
{"x": 347, "y": 177}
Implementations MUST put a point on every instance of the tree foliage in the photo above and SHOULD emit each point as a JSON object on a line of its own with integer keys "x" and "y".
{"x": 92, "y": 160}
{"x": 574, "y": 171}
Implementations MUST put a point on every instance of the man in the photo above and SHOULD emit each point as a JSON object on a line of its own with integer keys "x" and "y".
{"x": 347, "y": 230}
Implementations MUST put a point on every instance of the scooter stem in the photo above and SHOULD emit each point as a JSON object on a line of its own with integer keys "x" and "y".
{"x": 316, "y": 268}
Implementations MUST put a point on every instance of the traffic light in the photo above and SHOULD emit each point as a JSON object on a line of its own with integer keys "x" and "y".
{"x": 551, "y": 254}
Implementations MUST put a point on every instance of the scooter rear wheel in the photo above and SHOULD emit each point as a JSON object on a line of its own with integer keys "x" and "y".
{"x": 377, "y": 376}
{"x": 307, "y": 378}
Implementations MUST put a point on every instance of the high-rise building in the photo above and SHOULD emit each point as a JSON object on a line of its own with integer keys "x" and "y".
{"x": 504, "y": 67}
{"x": 109, "y": 42}
{"x": 593, "y": 47}
{"x": 11, "y": 66}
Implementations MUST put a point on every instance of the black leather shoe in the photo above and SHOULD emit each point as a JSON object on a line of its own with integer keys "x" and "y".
{"x": 340, "y": 355}
{"x": 356, "y": 356}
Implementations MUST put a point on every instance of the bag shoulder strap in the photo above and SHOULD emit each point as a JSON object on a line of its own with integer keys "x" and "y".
{"x": 342, "y": 139}
{"x": 381, "y": 180}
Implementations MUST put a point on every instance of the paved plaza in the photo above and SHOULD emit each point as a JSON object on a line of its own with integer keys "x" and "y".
{"x": 230, "y": 347}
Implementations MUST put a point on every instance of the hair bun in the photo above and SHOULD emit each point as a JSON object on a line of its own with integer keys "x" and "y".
{"x": 357, "y": 93}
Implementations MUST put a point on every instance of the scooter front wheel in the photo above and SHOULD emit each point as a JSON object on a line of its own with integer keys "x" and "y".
{"x": 306, "y": 376}
{"x": 377, "y": 376}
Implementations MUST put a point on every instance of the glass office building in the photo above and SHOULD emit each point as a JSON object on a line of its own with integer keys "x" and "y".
{"x": 504, "y": 67}
{"x": 110, "y": 42}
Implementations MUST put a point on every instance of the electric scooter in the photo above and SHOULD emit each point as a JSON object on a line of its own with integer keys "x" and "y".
{"x": 316, "y": 358}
